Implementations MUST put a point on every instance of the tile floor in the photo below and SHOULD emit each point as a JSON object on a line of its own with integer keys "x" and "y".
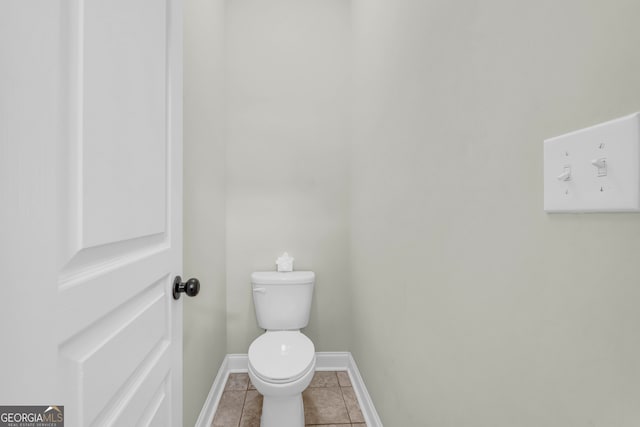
{"x": 329, "y": 401}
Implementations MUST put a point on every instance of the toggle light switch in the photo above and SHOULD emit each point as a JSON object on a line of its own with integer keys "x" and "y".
{"x": 601, "y": 164}
{"x": 565, "y": 175}
{"x": 595, "y": 169}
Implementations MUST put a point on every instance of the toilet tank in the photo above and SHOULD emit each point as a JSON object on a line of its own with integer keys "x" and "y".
{"x": 282, "y": 299}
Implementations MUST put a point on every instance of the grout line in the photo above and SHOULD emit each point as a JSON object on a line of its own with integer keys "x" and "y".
{"x": 345, "y": 403}
{"x": 244, "y": 401}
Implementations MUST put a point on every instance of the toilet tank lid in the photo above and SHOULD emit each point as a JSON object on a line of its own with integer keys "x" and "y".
{"x": 282, "y": 278}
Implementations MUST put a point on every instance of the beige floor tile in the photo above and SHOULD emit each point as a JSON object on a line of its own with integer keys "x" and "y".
{"x": 343, "y": 379}
{"x": 329, "y": 401}
{"x": 252, "y": 409}
{"x": 324, "y": 405}
{"x": 324, "y": 379}
{"x": 352, "y": 405}
{"x": 251, "y": 386}
{"x": 229, "y": 409}
{"x": 237, "y": 382}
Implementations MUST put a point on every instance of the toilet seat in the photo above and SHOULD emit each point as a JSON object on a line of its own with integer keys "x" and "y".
{"x": 281, "y": 356}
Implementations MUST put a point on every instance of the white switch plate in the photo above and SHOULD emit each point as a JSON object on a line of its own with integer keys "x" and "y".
{"x": 615, "y": 188}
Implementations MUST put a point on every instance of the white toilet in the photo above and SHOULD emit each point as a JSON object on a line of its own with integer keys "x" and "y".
{"x": 282, "y": 361}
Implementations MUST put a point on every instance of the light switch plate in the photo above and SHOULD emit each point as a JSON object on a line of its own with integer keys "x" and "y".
{"x": 596, "y": 169}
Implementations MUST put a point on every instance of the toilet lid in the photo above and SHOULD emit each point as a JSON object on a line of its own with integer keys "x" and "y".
{"x": 281, "y": 355}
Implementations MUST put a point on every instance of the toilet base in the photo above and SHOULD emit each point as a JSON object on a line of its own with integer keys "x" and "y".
{"x": 286, "y": 411}
{"x": 282, "y": 403}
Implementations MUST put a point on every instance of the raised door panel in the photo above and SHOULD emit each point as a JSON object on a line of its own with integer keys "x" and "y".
{"x": 123, "y": 147}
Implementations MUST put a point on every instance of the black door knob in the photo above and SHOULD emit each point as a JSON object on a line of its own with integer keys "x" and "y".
{"x": 191, "y": 287}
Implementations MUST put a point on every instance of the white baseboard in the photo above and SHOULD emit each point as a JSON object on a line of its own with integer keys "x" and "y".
{"x": 238, "y": 363}
{"x": 366, "y": 404}
{"x": 208, "y": 411}
{"x": 325, "y": 361}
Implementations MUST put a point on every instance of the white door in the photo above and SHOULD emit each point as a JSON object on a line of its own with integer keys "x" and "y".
{"x": 90, "y": 214}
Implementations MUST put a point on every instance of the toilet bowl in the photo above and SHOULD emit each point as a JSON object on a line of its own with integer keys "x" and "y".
{"x": 282, "y": 361}
{"x": 281, "y": 366}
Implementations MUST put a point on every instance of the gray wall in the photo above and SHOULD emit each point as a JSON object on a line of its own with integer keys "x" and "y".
{"x": 287, "y": 157}
{"x": 205, "y": 325}
{"x": 471, "y": 306}
{"x": 418, "y": 201}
